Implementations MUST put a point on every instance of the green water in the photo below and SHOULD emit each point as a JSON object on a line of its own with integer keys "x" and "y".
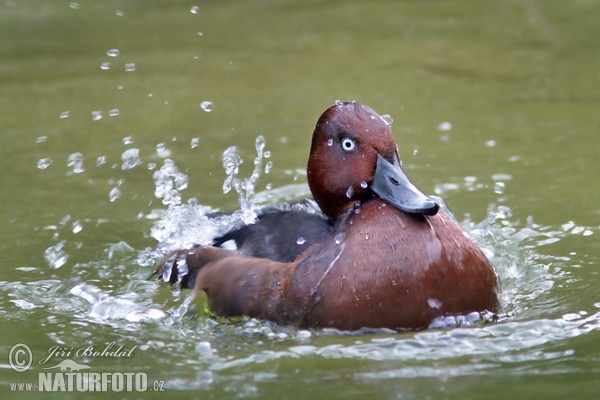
{"x": 495, "y": 108}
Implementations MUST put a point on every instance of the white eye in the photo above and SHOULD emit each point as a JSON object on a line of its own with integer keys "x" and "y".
{"x": 348, "y": 144}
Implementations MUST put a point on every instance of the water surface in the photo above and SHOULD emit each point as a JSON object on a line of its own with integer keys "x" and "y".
{"x": 106, "y": 104}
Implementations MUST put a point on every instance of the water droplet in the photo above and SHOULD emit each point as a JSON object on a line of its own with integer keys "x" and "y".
{"x": 105, "y": 66}
{"x": 338, "y": 102}
{"x": 129, "y": 67}
{"x": 300, "y": 241}
{"x": 130, "y": 159}
{"x": 114, "y": 194}
{"x": 114, "y": 112}
{"x": 75, "y": 161}
{"x": 195, "y": 142}
{"x": 55, "y": 255}
{"x": 269, "y": 186}
{"x": 364, "y": 184}
{"x": 101, "y": 160}
{"x": 76, "y": 227}
{"x": 388, "y": 119}
{"x": 151, "y": 166}
{"x": 349, "y": 192}
{"x": 339, "y": 238}
{"x": 499, "y": 187}
{"x": 41, "y": 139}
{"x": 268, "y": 167}
{"x": 207, "y": 106}
{"x": 74, "y": 6}
{"x": 329, "y": 142}
{"x": 444, "y": 126}
{"x": 64, "y": 114}
{"x": 120, "y": 13}
{"x": 415, "y": 152}
{"x": 434, "y": 303}
{"x": 120, "y": 87}
{"x": 200, "y": 33}
{"x": 267, "y": 154}
{"x": 127, "y": 140}
{"x": 490, "y": 143}
{"x": 162, "y": 151}
{"x": 112, "y": 52}
{"x": 194, "y": 10}
{"x": 44, "y": 163}
{"x": 96, "y": 115}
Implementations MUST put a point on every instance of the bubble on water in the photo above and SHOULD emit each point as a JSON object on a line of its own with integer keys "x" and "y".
{"x": 101, "y": 160}
{"x": 114, "y": 112}
{"x": 44, "y": 163}
{"x": 64, "y": 114}
{"x": 129, "y": 67}
{"x": 112, "y": 52}
{"x": 195, "y": 142}
{"x": 300, "y": 241}
{"x": 444, "y": 126}
{"x": 130, "y": 159}
{"x": 207, "y": 106}
{"x": 105, "y": 66}
{"x": 194, "y": 10}
{"x": 96, "y": 115}
{"x": 388, "y": 119}
{"x": 55, "y": 256}
{"x": 114, "y": 194}
{"x": 162, "y": 151}
{"x": 75, "y": 161}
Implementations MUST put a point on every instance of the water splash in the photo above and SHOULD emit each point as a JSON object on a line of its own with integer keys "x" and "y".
{"x": 55, "y": 256}
{"x": 243, "y": 186}
{"x": 168, "y": 182}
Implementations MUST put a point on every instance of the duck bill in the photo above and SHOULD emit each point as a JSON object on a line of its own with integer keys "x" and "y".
{"x": 391, "y": 184}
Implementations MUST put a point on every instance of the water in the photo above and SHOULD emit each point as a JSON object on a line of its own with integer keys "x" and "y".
{"x": 109, "y": 163}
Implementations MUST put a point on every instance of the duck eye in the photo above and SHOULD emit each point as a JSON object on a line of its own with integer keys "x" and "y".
{"x": 348, "y": 144}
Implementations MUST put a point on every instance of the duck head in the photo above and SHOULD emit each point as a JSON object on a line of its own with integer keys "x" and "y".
{"x": 353, "y": 158}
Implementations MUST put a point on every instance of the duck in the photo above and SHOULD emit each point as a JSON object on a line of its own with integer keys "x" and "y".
{"x": 379, "y": 254}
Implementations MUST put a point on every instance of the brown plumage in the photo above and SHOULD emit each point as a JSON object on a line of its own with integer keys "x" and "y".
{"x": 388, "y": 260}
